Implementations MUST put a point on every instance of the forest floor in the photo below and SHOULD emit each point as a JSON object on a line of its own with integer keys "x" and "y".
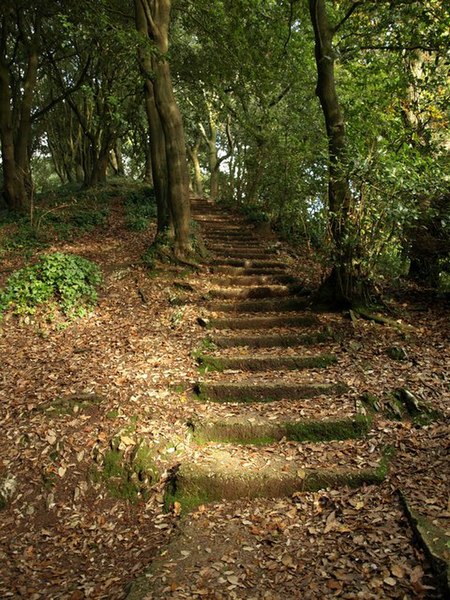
{"x": 73, "y": 393}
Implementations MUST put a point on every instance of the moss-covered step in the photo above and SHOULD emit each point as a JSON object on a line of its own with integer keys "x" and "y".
{"x": 257, "y": 291}
{"x": 258, "y": 429}
{"x": 217, "y": 245}
{"x": 271, "y": 341}
{"x": 240, "y": 472}
{"x": 221, "y": 245}
{"x": 262, "y": 391}
{"x": 266, "y": 363}
{"x": 263, "y": 323}
{"x": 245, "y": 253}
{"x": 435, "y": 542}
{"x": 243, "y": 271}
{"x": 242, "y": 236}
{"x": 248, "y": 263}
{"x": 256, "y": 280}
{"x": 263, "y": 305}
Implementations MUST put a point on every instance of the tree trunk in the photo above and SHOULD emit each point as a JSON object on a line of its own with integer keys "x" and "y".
{"x": 15, "y": 136}
{"x": 116, "y": 160}
{"x": 343, "y": 287}
{"x": 158, "y": 162}
{"x": 197, "y": 185}
{"x": 157, "y": 17}
{"x": 148, "y": 173}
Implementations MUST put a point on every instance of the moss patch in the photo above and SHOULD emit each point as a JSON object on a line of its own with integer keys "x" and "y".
{"x": 128, "y": 469}
{"x": 317, "y": 431}
{"x": 401, "y": 405}
{"x": 72, "y": 404}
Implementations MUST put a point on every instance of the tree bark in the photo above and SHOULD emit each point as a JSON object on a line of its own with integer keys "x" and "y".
{"x": 159, "y": 162}
{"x": 15, "y": 135}
{"x": 343, "y": 287}
{"x": 157, "y": 18}
{"x": 197, "y": 185}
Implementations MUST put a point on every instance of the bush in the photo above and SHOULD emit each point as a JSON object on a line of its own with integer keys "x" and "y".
{"x": 140, "y": 208}
{"x": 65, "y": 279}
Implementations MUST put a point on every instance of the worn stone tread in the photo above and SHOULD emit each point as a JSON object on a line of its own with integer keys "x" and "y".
{"x": 248, "y": 263}
{"x": 267, "y": 363}
{"x": 263, "y": 305}
{"x": 221, "y": 474}
{"x": 258, "y": 429}
{"x": 263, "y": 323}
{"x": 257, "y": 280}
{"x": 264, "y": 391}
{"x": 257, "y": 291}
{"x": 271, "y": 341}
{"x": 247, "y": 271}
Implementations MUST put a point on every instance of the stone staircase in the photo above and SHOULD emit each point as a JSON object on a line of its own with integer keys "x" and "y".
{"x": 263, "y": 374}
{"x": 283, "y": 448}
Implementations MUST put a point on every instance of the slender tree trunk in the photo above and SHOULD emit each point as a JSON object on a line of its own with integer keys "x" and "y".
{"x": 159, "y": 163}
{"x": 116, "y": 160}
{"x": 148, "y": 174}
{"x": 342, "y": 287}
{"x": 197, "y": 185}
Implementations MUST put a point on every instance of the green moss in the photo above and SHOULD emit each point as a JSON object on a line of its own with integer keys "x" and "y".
{"x": 72, "y": 404}
{"x": 320, "y": 431}
{"x": 244, "y": 432}
{"x": 209, "y": 364}
{"x": 387, "y": 456}
{"x": 188, "y": 502}
{"x": 127, "y": 476}
{"x": 206, "y": 345}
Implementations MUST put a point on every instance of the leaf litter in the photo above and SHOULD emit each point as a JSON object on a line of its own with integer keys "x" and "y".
{"x": 64, "y": 536}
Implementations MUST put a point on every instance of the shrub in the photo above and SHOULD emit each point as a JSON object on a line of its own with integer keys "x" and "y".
{"x": 140, "y": 208}
{"x": 65, "y": 279}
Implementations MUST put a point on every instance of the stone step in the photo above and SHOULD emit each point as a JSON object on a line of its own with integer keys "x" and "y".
{"x": 247, "y": 253}
{"x": 264, "y": 305}
{"x": 263, "y": 323}
{"x": 234, "y": 245}
{"x": 257, "y": 280}
{"x": 271, "y": 341}
{"x": 269, "y": 291}
{"x": 247, "y": 263}
{"x": 238, "y": 472}
{"x": 266, "y": 363}
{"x": 248, "y": 272}
{"x": 243, "y": 235}
{"x": 254, "y": 429}
{"x": 226, "y": 242}
{"x": 264, "y": 391}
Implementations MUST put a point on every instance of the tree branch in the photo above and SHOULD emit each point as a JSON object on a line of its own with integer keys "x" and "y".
{"x": 347, "y": 16}
{"x": 38, "y": 114}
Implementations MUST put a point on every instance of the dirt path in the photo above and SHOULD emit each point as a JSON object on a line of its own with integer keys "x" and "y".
{"x": 80, "y": 402}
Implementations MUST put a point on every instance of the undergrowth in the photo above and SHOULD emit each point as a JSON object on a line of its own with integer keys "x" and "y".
{"x": 140, "y": 208}
{"x": 65, "y": 281}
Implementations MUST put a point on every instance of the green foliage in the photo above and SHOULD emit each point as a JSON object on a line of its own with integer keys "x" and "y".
{"x": 67, "y": 280}
{"x": 140, "y": 208}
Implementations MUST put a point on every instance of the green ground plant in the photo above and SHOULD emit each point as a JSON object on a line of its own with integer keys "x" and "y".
{"x": 140, "y": 208}
{"x": 65, "y": 281}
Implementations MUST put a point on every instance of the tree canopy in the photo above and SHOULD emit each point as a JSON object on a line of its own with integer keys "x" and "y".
{"x": 242, "y": 90}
